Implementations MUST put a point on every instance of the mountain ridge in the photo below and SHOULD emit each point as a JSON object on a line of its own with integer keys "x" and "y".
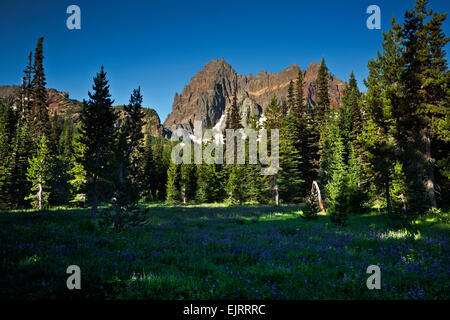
{"x": 210, "y": 91}
{"x": 208, "y": 94}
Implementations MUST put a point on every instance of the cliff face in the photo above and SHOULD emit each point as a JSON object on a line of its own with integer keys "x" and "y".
{"x": 59, "y": 103}
{"x": 204, "y": 98}
{"x": 211, "y": 90}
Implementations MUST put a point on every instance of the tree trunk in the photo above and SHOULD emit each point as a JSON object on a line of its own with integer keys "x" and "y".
{"x": 404, "y": 209}
{"x": 388, "y": 198}
{"x": 94, "y": 207}
{"x": 430, "y": 172}
{"x": 39, "y": 196}
{"x": 118, "y": 200}
{"x": 277, "y": 196}
{"x": 319, "y": 196}
{"x": 117, "y": 216}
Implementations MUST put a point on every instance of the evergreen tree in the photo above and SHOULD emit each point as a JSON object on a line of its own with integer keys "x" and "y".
{"x": 18, "y": 185}
{"x": 399, "y": 190}
{"x": 233, "y": 120}
{"x": 188, "y": 182}
{"x": 77, "y": 173}
{"x": 39, "y": 174}
{"x": 300, "y": 106}
{"x": 235, "y": 186}
{"x": 97, "y": 134}
{"x": 58, "y": 179}
{"x": 8, "y": 123}
{"x": 209, "y": 183}
{"x": 173, "y": 183}
{"x": 273, "y": 121}
{"x": 377, "y": 136}
{"x": 40, "y": 120}
{"x": 291, "y": 95}
{"x": 290, "y": 180}
{"x": 322, "y": 107}
{"x": 134, "y": 123}
{"x": 350, "y": 122}
{"x": 162, "y": 163}
{"x": 27, "y": 111}
{"x": 66, "y": 153}
{"x": 426, "y": 78}
{"x": 308, "y": 138}
{"x": 235, "y": 179}
{"x": 127, "y": 152}
{"x": 337, "y": 186}
{"x": 273, "y": 114}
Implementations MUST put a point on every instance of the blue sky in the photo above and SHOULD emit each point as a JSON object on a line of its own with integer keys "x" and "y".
{"x": 160, "y": 45}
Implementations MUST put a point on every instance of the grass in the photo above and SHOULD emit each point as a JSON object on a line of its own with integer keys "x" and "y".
{"x": 221, "y": 252}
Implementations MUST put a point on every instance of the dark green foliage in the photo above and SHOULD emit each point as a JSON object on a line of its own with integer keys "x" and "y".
{"x": 27, "y": 91}
{"x": 274, "y": 120}
{"x": 18, "y": 185}
{"x": 128, "y": 153}
{"x": 291, "y": 98}
{"x": 188, "y": 182}
{"x": 40, "y": 119}
{"x": 407, "y": 98}
{"x": 147, "y": 179}
{"x": 273, "y": 114}
{"x": 341, "y": 169}
{"x": 59, "y": 144}
{"x": 323, "y": 100}
{"x": 161, "y": 159}
{"x": 307, "y": 137}
{"x": 235, "y": 172}
{"x": 173, "y": 183}
{"x": 155, "y": 163}
{"x": 290, "y": 179}
{"x": 8, "y": 124}
{"x": 311, "y": 207}
{"x": 300, "y": 106}
{"x": 77, "y": 173}
{"x": 235, "y": 186}
{"x": 210, "y": 183}
{"x": 233, "y": 120}
{"x": 97, "y": 134}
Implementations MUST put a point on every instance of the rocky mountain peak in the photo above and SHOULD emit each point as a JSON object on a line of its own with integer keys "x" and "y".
{"x": 211, "y": 90}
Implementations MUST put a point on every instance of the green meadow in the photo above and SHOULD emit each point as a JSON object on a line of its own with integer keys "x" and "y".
{"x": 220, "y": 252}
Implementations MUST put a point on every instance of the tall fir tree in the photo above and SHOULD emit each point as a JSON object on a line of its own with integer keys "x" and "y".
{"x": 377, "y": 136}
{"x": 8, "y": 124}
{"x": 273, "y": 120}
{"x": 18, "y": 184}
{"x": 188, "y": 182}
{"x": 40, "y": 119}
{"x": 26, "y": 92}
{"x": 77, "y": 177}
{"x": 235, "y": 172}
{"x": 290, "y": 179}
{"x": 173, "y": 183}
{"x": 322, "y": 107}
{"x": 97, "y": 134}
{"x": 127, "y": 157}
